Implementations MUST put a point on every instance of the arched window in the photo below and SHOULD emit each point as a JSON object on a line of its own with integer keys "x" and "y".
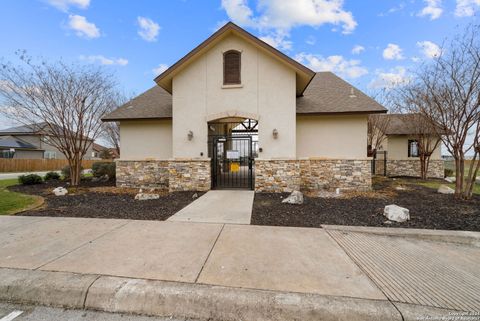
{"x": 231, "y": 67}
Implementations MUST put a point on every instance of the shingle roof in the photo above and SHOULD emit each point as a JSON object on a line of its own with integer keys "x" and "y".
{"x": 154, "y": 103}
{"x": 405, "y": 124}
{"x": 14, "y": 142}
{"x": 24, "y": 129}
{"x": 326, "y": 94}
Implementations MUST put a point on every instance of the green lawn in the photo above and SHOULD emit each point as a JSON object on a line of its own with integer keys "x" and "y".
{"x": 436, "y": 184}
{"x": 11, "y": 202}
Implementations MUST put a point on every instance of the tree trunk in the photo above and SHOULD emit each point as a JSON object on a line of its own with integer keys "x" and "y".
{"x": 75, "y": 170}
{"x": 471, "y": 181}
{"x": 423, "y": 165}
{"x": 459, "y": 168}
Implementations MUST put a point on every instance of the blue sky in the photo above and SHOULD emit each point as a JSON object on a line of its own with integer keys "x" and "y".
{"x": 136, "y": 39}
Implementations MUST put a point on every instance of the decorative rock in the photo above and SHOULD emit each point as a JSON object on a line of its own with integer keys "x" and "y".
{"x": 295, "y": 198}
{"x": 451, "y": 179}
{"x": 60, "y": 191}
{"x": 400, "y": 188}
{"x": 195, "y": 196}
{"x": 444, "y": 189}
{"x": 145, "y": 196}
{"x": 396, "y": 213}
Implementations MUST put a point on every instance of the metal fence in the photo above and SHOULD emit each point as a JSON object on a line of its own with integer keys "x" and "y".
{"x": 379, "y": 163}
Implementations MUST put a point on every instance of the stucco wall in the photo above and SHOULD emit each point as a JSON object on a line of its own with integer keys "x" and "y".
{"x": 397, "y": 148}
{"x": 332, "y": 136}
{"x": 267, "y": 90}
{"x": 145, "y": 139}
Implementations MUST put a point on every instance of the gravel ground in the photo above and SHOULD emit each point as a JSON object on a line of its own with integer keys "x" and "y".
{"x": 103, "y": 200}
{"x": 428, "y": 209}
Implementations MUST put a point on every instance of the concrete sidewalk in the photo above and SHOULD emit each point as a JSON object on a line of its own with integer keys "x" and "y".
{"x": 232, "y": 272}
{"x": 225, "y": 207}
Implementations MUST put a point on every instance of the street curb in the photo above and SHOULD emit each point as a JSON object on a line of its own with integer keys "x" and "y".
{"x": 42, "y": 287}
{"x": 460, "y": 237}
{"x": 182, "y": 300}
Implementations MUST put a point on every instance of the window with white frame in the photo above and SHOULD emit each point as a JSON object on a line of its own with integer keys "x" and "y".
{"x": 48, "y": 154}
{"x": 413, "y": 148}
{"x": 7, "y": 153}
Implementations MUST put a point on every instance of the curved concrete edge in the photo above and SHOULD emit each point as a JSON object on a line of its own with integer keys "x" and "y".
{"x": 46, "y": 288}
{"x": 460, "y": 237}
{"x": 206, "y": 302}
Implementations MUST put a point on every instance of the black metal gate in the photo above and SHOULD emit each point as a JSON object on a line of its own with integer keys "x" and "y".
{"x": 232, "y": 162}
{"x": 379, "y": 163}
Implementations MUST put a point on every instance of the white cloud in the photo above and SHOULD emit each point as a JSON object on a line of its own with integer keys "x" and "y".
{"x": 389, "y": 79}
{"x": 338, "y": 64}
{"x": 275, "y": 18}
{"x": 104, "y": 60}
{"x": 392, "y": 52}
{"x": 398, "y": 8}
{"x": 278, "y": 40}
{"x": 149, "y": 29}
{"x": 64, "y": 5}
{"x": 280, "y": 14}
{"x": 433, "y": 9}
{"x": 466, "y": 8}
{"x": 160, "y": 69}
{"x": 82, "y": 27}
{"x": 429, "y": 49}
{"x": 356, "y": 50}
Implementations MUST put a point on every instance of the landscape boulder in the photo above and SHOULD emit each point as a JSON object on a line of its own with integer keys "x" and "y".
{"x": 396, "y": 213}
{"x": 60, "y": 191}
{"x": 444, "y": 189}
{"x": 450, "y": 179}
{"x": 145, "y": 196}
{"x": 296, "y": 197}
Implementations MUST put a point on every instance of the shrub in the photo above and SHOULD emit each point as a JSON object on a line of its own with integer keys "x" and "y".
{"x": 448, "y": 172}
{"x": 100, "y": 169}
{"x": 52, "y": 176}
{"x": 66, "y": 172}
{"x": 30, "y": 179}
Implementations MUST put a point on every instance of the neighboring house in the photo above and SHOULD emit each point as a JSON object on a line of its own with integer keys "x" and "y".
{"x": 237, "y": 113}
{"x": 401, "y": 147}
{"x": 30, "y": 142}
{"x": 99, "y": 152}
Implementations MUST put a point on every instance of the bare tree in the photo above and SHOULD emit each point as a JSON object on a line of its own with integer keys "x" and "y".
{"x": 111, "y": 130}
{"x": 449, "y": 92}
{"x": 377, "y": 128}
{"x": 68, "y": 101}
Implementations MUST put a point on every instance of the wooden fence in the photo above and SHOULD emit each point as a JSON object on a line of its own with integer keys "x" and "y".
{"x": 38, "y": 165}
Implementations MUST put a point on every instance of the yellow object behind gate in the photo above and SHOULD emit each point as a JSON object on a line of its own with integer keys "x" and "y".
{"x": 234, "y": 166}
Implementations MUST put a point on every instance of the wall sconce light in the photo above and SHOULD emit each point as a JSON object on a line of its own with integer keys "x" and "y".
{"x": 275, "y": 133}
{"x": 190, "y": 135}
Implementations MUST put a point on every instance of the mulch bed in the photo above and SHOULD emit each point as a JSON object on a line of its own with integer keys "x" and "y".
{"x": 103, "y": 200}
{"x": 428, "y": 209}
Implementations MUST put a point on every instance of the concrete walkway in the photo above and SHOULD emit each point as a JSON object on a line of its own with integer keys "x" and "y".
{"x": 222, "y": 271}
{"x": 226, "y": 206}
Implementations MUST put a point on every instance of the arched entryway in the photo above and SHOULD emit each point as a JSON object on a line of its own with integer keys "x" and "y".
{"x": 233, "y": 147}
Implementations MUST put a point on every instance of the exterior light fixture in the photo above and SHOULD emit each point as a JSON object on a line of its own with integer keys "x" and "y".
{"x": 190, "y": 135}
{"x": 275, "y": 133}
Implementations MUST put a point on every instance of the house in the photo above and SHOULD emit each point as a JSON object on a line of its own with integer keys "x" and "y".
{"x": 30, "y": 142}
{"x": 237, "y": 113}
{"x": 102, "y": 152}
{"x": 400, "y": 148}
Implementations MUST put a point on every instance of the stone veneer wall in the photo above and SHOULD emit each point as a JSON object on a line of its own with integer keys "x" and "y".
{"x": 189, "y": 175}
{"x": 312, "y": 175}
{"x": 411, "y": 167}
{"x": 172, "y": 175}
{"x": 277, "y": 176}
{"x": 329, "y": 174}
{"x": 142, "y": 174}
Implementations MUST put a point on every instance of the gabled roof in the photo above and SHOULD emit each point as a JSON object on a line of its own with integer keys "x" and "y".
{"x": 15, "y": 142}
{"x": 330, "y": 94}
{"x": 303, "y": 74}
{"x": 326, "y": 94}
